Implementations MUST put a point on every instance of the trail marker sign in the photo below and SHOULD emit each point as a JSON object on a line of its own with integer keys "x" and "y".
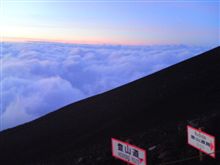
{"x": 128, "y": 153}
{"x": 201, "y": 141}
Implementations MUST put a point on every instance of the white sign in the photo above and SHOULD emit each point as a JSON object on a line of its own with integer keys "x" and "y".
{"x": 128, "y": 153}
{"x": 201, "y": 141}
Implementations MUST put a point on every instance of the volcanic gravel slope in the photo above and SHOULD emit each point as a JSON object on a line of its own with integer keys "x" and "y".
{"x": 152, "y": 112}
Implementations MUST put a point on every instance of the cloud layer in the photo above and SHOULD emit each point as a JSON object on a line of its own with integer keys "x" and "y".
{"x": 38, "y": 78}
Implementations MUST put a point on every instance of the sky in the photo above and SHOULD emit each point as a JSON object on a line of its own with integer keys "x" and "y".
{"x": 54, "y": 53}
{"x": 114, "y": 22}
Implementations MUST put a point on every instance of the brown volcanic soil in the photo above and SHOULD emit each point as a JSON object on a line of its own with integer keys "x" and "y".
{"x": 152, "y": 111}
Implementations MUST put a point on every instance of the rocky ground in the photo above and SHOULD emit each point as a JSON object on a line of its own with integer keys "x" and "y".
{"x": 152, "y": 112}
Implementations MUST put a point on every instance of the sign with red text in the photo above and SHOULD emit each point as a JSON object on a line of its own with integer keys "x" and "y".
{"x": 201, "y": 141}
{"x": 128, "y": 153}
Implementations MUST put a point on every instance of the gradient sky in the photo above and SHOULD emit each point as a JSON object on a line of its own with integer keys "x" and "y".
{"x": 161, "y": 22}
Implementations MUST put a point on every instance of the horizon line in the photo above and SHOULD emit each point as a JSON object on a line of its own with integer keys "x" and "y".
{"x": 26, "y": 40}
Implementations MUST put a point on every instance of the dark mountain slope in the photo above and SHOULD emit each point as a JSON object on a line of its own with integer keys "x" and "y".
{"x": 151, "y": 111}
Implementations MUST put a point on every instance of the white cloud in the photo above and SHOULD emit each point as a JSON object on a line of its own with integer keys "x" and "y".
{"x": 41, "y": 77}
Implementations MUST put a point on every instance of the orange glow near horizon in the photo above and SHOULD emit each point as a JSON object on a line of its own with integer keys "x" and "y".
{"x": 67, "y": 41}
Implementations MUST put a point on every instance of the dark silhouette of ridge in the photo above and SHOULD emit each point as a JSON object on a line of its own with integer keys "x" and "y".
{"x": 151, "y": 111}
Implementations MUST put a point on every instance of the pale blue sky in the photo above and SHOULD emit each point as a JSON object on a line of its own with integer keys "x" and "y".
{"x": 162, "y": 22}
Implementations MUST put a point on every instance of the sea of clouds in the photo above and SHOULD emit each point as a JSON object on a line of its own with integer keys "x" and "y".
{"x": 40, "y": 77}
